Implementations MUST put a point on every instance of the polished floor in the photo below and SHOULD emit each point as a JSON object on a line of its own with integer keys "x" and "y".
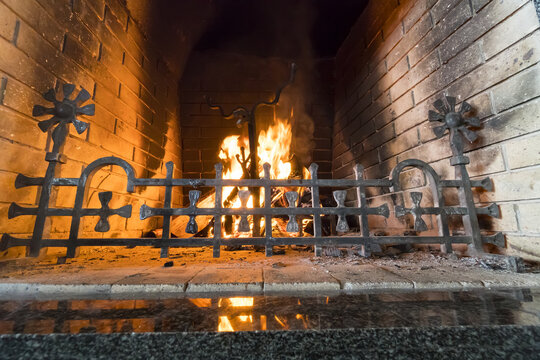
{"x": 262, "y": 313}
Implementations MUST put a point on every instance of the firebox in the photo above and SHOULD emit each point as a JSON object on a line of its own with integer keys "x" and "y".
{"x": 229, "y": 125}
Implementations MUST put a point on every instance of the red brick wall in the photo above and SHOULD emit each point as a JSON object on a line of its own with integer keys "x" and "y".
{"x": 94, "y": 44}
{"x": 232, "y": 80}
{"x": 403, "y": 55}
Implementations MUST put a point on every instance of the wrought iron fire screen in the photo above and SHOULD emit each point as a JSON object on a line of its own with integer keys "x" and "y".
{"x": 65, "y": 111}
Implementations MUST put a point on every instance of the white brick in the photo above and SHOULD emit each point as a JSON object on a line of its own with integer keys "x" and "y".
{"x": 523, "y": 152}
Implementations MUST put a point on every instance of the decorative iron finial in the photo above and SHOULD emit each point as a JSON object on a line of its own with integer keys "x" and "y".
{"x": 454, "y": 121}
{"x": 64, "y": 112}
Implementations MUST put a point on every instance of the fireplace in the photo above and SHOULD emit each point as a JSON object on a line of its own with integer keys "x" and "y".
{"x": 372, "y": 79}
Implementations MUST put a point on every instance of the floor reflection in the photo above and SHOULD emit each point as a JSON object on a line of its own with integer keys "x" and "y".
{"x": 272, "y": 312}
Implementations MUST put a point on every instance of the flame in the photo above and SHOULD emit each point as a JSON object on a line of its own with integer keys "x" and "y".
{"x": 273, "y": 147}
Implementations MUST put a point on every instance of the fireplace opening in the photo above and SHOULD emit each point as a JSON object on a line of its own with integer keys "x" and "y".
{"x": 413, "y": 92}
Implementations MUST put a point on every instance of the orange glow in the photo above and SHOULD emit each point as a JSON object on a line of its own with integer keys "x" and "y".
{"x": 201, "y": 302}
{"x": 241, "y": 301}
{"x": 224, "y": 324}
{"x": 282, "y": 322}
{"x": 245, "y": 318}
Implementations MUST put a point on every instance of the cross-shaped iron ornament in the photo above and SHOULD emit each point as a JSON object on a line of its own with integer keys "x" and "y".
{"x": 105, "y": 212}
{"x": 340, "y": 196}
{"x": 292, "y": 224}
{"x": 192, "y": 227}
{"x": 243, "y": 226}
{"x": 417, "y": 211}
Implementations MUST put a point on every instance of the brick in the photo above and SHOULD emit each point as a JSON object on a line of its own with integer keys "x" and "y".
{"x": 81, "y": 151}
{"x": 18, "y": 225}
{"x": 479, "y": 4}
{"x": 9, "y": 194}
{"x": 428, "y": 152}
{"x": 21, "y": 98}
{"x": 391, "y": 77}
{"x": 394, "y": 20}
{"x": 404, "y": 142}
{"x": 513, "y": 29}
{"x": 374, "y": 16}
{"x": 420, "y": 29}
{"x": 362, "y": 133}
{"x": 528, "y": 217}
{"x": 380, "y": 137}
{"x": 486, "y": 161}
{"x": 419, "y": 8}
{"x": 516, "y": 122}
{"x": 441, "y": 8}
{"x": 527, "y": 247}
{"x": 377, "y": 106}
{"x": 523, "y": 152}
{"x": 132, "y": 135}
{"x": 7, "y": 22}
{"x": 486, "y": 19}
{"x": 394, "y": 110}
{"x": 49, "y": 57}
{"x": 32, "y": 164}
{"x": 21, "y": 129}
{"x": 60, "y": 11}
{"x": 97, "y": 5}
{"x": 374, "y": 76}
{"x": 507, "y": 221}
{"x": 18, "y": 65}
{"x": 117, "y": 107}
{"x": 453, "y": 20}
{"x": 419, "y": 72}
{"x": 517, "y": 89}
{"x": 88, "y": 62}
{"x": 368, "y": 158}
{"x": 514, "y": 186}
{"x": 457, "y": 67}
{"x": 391, "y": 38}
{"x": 32, "y": 13}
{"x": 345, "y": 172}
{"x": 382, "y": 170}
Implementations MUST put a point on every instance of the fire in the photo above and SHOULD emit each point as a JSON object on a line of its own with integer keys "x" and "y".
{"x": 273, "y": 147}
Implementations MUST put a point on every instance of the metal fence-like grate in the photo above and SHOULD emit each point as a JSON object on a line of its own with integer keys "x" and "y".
{"x": 65, "y": 112}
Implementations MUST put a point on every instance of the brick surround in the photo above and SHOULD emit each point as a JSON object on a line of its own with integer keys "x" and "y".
{"x": 97, "y": 45}
{"x": 402, "y": 55}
